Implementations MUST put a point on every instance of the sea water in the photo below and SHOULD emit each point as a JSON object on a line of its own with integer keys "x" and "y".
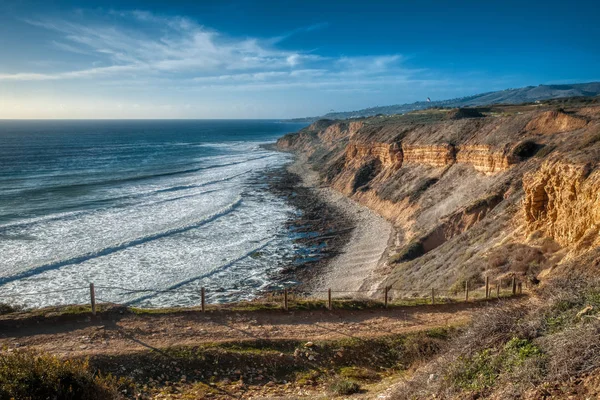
{"x": 131, "y": 206}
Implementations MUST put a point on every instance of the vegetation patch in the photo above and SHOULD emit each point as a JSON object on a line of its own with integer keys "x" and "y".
{"x": 30, "y": 375}
{"x": 8, "y": 309}
{"x": 409, "y": 252}
{"x": 331, "y": 365}
{"x": 512, "y": 348}
{"x": 343, "y": 387}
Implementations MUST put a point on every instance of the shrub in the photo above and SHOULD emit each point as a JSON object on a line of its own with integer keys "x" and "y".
{"x": 344, "y": 387}
{"x": 477, "y": 372}
{"x": 411, "y": 251}
{"x": 30, "y": 375}
{"x": 7, "y": 309}
{"x": 518, "y": 346}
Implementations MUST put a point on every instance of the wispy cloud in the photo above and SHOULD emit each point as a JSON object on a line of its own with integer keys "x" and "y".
{"x": 144, "y": 46}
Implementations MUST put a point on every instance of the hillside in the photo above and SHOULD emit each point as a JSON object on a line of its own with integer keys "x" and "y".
{"x": 467, "y": 188}
{"x": 475, "y": 194}
{"x": 527, "y": 94}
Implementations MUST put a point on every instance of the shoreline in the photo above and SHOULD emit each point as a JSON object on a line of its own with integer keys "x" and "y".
{"x": 355, "y": 238}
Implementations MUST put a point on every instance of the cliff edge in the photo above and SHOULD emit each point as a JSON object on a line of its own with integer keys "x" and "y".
{"x": 496, "y": 191}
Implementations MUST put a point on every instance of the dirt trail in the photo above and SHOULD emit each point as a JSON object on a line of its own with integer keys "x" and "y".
{"x": 115, "y": 333}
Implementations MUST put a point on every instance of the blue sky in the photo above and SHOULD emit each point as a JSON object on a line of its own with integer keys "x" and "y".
{"x": 278, "y": 59}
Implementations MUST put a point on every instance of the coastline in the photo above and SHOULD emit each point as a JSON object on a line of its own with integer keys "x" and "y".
{"x": 355, "y": 238}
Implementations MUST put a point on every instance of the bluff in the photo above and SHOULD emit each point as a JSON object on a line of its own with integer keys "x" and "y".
{"x": 495, "y": 191}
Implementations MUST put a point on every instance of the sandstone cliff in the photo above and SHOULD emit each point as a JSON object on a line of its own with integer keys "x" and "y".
{"x": 495, "y": 191}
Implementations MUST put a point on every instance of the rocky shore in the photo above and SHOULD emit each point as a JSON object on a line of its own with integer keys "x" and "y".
{"x": 343, "y": 241}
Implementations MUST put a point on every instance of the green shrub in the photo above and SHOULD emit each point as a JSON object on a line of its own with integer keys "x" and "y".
{"x": 28, "y": 375}
{"x": 477, "y": 372}
{"x": 411, "y": 251}
{"x": 344, "y": 387}
{"x": 519, "y": 350}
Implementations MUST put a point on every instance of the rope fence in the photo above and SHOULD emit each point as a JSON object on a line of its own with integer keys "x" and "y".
{"x": 287, "y": 298}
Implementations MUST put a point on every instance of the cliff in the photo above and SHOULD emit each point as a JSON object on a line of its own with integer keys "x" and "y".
{"x": 482, "y": 192}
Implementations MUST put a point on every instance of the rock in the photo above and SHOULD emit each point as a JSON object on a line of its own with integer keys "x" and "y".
{"x": 311, "y": 358}
{"x": 432, "y": 378}
{"x": 309, "y": 344}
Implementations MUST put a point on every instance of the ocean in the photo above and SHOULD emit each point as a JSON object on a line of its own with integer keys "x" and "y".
{"x": 140, "y": 207}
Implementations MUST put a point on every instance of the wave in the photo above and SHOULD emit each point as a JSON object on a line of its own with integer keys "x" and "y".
{"x": 121, "y": 246}
{"x": 137, "y": 178}
{"x": 66, "y": 215}
{"x": 220, "y": 268}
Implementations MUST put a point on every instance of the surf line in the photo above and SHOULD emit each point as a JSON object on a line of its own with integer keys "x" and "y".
{"x": 207, "y": 275}
{"x": 121, "y": 246}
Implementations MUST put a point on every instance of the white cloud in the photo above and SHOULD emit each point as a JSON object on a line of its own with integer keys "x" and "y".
{"x": 139, "y": 44}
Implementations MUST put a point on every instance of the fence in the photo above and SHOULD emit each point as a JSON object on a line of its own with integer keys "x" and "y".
{"x": 288, "y": 298}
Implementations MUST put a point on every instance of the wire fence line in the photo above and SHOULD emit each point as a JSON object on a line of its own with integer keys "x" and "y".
{"x": 286, "y": 296}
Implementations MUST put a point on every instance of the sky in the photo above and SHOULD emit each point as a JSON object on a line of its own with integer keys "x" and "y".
{"x": 280, "y": 59}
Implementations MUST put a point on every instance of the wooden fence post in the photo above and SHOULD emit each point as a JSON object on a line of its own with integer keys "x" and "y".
{"x": 285, "y": 299}
{"x": 202, "y": 299}
{"x": 93, "y": 298}
{"x": 514, "y": 285}
{"x": 498, "y": 285}
{"x": 386, "y": 290}
{"x": 487, "y": 287}
{"x": 466, "y": 290}
{"x": 433, "y": 296}
{"x": 520, "y": 287}
{"x": 329, "y": 304}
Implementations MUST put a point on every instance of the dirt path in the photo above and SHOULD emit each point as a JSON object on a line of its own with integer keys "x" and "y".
{"x": 122, "y": 333}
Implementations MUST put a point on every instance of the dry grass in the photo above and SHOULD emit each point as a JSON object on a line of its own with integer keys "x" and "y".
{"x": 520, "y": 346}
{"x": 30, "y": 375}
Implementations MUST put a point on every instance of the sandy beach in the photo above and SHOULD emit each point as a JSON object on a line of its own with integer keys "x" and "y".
{"x": 361, "y": 254}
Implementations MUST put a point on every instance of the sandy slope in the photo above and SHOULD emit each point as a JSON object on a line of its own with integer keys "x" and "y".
{"x": 360, "y": 256}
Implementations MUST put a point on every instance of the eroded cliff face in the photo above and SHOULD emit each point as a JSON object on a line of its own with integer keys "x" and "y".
{"x": 483, "y": 158}
{"x": 463, "y": 186}
{"x": 388, "y": 154}
{"x": 563, "y": 200}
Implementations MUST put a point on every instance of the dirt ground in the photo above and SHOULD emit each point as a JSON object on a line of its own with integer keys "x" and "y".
{"x": 121, "y": 332}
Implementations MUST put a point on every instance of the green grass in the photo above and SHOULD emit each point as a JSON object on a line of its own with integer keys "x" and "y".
{"x": 480, "y": 371}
